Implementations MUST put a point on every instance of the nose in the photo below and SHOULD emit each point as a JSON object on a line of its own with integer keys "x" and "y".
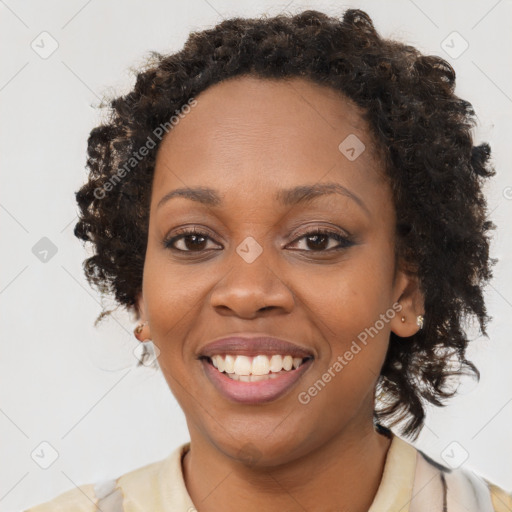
{"x": 251, "y": 289}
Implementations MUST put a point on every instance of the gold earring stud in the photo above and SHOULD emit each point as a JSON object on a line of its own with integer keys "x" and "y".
{"x": 403, "y": 319}
{"x": 139, "y": 328}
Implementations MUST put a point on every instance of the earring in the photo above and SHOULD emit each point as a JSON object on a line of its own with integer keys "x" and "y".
{"x": 137, "y": 331}
{"x": 139, "y": 328}
{"x": 146, "y": 352}
{"x": 403, "y": 319}
{"x": 144, "y": 356}
{"x": 419, "y": 321}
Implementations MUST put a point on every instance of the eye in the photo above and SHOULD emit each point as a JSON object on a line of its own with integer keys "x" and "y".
{"x": 195, "y": 240}
{"x": 319, "y": 240}
{"x": 192, "y": 239}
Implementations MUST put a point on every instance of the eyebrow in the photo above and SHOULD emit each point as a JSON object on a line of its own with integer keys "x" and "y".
{"x": 288, "y": 197}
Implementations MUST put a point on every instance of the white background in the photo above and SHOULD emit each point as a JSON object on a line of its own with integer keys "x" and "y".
{"x": 75, "y": 386}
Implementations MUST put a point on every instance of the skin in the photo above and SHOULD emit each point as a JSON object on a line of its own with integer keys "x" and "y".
{"x": 247, "y": 138}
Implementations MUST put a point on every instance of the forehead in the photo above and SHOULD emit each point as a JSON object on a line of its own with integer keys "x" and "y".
{"x": 246, "y": 131}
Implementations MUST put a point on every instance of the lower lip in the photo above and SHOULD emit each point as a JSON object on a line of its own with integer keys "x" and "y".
{"x": 254, "y": 392}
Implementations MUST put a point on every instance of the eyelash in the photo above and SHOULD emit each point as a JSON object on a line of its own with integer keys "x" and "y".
{"x": 344, "y": 241}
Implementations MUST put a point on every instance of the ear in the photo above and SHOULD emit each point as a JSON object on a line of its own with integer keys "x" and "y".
{"x": 144, "y": 333}
{"x": 407, "y": 293}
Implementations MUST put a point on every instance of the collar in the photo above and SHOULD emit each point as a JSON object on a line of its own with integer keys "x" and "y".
{"x": 393, "y": 494}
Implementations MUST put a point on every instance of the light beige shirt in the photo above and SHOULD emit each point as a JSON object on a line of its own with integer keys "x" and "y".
{"x": 411, "y": 482}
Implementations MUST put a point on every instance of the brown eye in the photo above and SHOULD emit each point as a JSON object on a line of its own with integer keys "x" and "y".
{"x": 318, "y": 241}
{"x": 191, "y": 240}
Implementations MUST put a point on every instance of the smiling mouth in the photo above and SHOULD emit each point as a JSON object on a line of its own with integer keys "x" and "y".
{"x": 261, "y": 367}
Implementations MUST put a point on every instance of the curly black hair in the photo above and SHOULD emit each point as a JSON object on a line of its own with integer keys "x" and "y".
{"x": 421, "y": 127}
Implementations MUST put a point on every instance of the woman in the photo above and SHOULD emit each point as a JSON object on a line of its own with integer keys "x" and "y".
{"x": 293, "y": 208}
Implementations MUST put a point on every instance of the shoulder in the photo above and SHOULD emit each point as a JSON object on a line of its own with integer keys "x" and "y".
{"x": 80, "y": 499}
{"x": 427, "y": 485}
{"x": 107, "y": 495}
{"x": 501, "y": 500}
{"x": 462, "y": 488}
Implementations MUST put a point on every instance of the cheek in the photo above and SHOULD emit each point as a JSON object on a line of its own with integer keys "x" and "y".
{"x": 350, "y": 297}
{"x": 350, "y": 361}
{"x": 352, "y": 306}
{"x": 172, "y": 294}
{"x": 171, "y": 290}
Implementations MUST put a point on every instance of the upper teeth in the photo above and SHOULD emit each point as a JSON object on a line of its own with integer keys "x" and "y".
{"x": 257, "y": 365}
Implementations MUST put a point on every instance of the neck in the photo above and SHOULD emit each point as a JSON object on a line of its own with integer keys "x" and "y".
{"x": 342, "y": 474}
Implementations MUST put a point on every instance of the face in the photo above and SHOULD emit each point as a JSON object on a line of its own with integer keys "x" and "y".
{"x": 322, "y": 266}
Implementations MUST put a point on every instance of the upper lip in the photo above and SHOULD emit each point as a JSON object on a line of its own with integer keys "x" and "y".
{"x": 250, "y": 345}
